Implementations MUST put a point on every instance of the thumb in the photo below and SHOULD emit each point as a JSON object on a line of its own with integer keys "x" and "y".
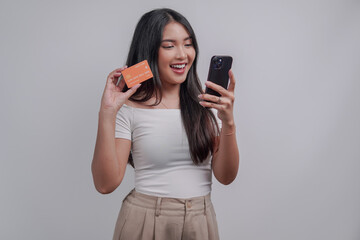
{"x": 131, "y": 91}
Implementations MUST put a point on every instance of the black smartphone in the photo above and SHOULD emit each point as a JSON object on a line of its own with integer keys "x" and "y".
{"x": 219, "y": 72}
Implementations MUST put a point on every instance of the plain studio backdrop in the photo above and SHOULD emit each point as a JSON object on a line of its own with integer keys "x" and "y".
{"x": 297, "y": 111}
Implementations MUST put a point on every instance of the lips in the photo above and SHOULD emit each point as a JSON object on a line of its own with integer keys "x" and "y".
{"x": 178, "y": 67}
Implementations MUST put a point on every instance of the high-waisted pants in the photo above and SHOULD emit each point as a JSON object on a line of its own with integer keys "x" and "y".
{"x": 144, "y": 217}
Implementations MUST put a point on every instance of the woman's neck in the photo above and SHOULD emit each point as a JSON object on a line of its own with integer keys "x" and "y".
{"x": 170, "y": 99}
{"x": 171, "y": 96}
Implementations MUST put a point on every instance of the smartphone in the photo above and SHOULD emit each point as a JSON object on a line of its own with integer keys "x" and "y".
{"x": 219, "y": 72}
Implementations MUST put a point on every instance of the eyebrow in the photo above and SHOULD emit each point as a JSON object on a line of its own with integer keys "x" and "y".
{"x": 171, "y": 40}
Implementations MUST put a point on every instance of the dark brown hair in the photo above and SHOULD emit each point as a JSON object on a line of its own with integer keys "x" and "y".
{"x": 199, "y": 122}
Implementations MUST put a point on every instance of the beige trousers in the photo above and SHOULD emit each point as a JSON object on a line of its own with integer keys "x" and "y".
{"x": 145, "y": 217}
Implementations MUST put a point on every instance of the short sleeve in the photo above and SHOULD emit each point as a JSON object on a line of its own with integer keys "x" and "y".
{"x": 218, "y": 120}
{"x": 123, "y": 123}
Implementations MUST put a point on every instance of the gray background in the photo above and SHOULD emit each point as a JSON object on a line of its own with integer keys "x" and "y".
{"x": 297, "y": 114}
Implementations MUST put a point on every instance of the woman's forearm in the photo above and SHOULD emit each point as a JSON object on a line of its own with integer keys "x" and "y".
{"x": 225, "y": 162}
{"x": 105, "y": 166}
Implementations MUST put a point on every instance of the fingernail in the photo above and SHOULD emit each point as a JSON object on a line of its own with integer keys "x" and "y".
{"x": 200, "y": 96}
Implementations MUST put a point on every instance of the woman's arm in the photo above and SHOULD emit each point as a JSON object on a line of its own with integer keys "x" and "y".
{"x": 110, "y": 155}
{"x": 225, "y": 162}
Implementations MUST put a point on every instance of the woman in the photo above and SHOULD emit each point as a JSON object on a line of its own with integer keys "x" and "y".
{"x": 165, "y": 129}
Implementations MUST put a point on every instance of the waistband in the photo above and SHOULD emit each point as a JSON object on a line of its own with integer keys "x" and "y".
{"x": 169, "y": 206}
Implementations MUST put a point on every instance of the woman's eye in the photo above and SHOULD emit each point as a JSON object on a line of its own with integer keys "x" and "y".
{"x": 167, "y": 46}
{"x": 188, "y": 45}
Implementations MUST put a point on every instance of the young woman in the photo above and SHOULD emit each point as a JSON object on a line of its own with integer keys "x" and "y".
{"x": 166, "y": 130}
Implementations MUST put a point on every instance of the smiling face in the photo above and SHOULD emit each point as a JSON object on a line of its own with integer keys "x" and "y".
{"x": 176, "y": 54}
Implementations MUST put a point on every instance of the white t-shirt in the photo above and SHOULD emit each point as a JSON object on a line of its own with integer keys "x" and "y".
{"x": 160, "y": 150}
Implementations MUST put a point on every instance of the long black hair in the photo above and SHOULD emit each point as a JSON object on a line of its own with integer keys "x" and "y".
{"x": 199, "y": 122}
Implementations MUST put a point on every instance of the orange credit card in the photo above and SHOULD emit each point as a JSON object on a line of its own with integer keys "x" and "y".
{"x": 137, "y": 73}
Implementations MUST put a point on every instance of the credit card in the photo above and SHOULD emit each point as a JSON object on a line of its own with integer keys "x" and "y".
{"x": 136, "y": 74}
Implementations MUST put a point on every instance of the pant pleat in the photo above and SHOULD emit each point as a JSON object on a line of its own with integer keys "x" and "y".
{"x": 144, "y": 217}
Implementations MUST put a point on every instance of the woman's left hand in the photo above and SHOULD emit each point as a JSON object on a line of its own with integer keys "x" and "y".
{"x": 224, "y": 104}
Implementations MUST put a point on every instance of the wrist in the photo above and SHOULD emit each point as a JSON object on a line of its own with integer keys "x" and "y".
{"x": 228, "y": 129}
{"x": 228, "y": 124}
{"x": 107, "y": 112}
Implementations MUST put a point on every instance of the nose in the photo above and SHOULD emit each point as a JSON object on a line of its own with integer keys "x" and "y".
{"x": 181, "y": 54}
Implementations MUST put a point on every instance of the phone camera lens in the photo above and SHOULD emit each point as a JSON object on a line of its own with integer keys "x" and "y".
{"x": 217, "y": 62}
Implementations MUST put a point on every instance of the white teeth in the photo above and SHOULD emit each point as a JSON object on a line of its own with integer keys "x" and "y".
{"x": 178, "y": 66}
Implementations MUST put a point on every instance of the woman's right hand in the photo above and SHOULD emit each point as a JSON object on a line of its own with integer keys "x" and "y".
{"x": 113, "y": 98}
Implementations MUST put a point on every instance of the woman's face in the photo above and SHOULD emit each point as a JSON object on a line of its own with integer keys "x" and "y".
{"x": 176, "y": 54}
